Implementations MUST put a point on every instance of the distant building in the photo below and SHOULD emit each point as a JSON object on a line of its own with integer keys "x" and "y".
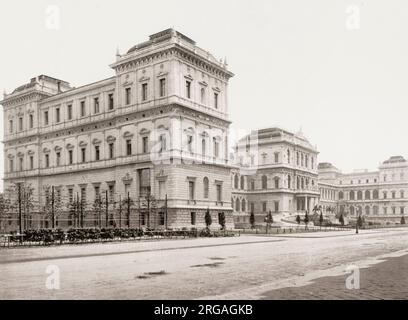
{"x": 378, "y": 196}
{"x": 157, "y": 127}
{"x": 275, "y": 170}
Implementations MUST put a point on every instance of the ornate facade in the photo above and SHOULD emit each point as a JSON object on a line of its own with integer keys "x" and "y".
{"x": 275, "y": 171}
{"x": 158, "y": 126}
{"x": 378, "y": 196}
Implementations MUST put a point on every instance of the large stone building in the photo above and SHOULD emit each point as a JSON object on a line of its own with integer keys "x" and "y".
{"x": 378, "y": 196}
{"x": 158, "y": 126}
{"x": 275, "y": 170}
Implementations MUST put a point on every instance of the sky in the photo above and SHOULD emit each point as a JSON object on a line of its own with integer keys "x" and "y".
{"x": 336, "y": 70}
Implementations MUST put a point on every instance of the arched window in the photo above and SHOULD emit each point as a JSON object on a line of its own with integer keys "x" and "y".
{"x": 242, "y": 183}
{"x": 236, "y": 181}
{"x": 375, "y": 194}
{"x": 243, "y": 205}
{"x": 237, "y": 205}
{"x": 264, "y": 182}
{"x": 206, "y": 187}
{"x": 375, "y": 210}
{"x": 288, "y": 154}
{"x": 367, "y": 210}
{"x": 367, "y": 195}
{"x": 360, "y": 195}
{"x": 352, "y": 210}
{"x": 351, "y": 195}
{"x": 341, "y": 195}
{"x": 276, "y": 180}
{"x": 359, "y": 210}
{"x": 289, "y": 182}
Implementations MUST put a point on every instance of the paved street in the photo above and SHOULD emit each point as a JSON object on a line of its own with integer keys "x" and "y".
{"x": 247, "y": 267}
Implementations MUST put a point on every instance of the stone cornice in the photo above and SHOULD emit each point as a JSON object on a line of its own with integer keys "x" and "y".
{"x": 23, "y": 98}
{"x": 174, "y": 51}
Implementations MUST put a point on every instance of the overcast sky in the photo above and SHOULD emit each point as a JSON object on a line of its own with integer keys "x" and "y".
{"x": 337, "y": 69}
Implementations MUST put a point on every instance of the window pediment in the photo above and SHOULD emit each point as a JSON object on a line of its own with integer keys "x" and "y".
{"x": 83, "y": 144}
{"x": 110, "y": 139}
{"x": 162, "y": 74}
{"x": 96, "y": 141}
{"x": 128, "y": 134}
{"x": 20, "y": 154}
{"x": 46, "y": 150}
{"x": 144, "y": 132}
{"x": 30, "y": 152}
{"x": 57, "y": 148}
{"x": 216, "y": 89}
{"x": 144, "y": 79}
{"x": 70, "y": 146}
{"x": 203, "y": 83}
{"x": 189, "y": 77}
{"x": 10, "y": 156}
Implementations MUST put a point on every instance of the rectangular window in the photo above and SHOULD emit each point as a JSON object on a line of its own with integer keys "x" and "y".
{"x": 128, "y": 147}
{"x": 163, "y": 145}
{"x": 402, "y": 210}
{"x": 57, "y": 115}
{"x": 83, "y": 195}
{"x": 190, "y": 143}
{"x": 161, "y": 218}
{"x": 191, "y": 191}
{"x": 144, "y": 91}
{"x": 20, "y": 124}
{"x": 252, "y": 205}
{"x": 58, "y": 155}
{"x": 162, "y": 87}
{"x": 31, "y": 162}
{"x": 219, "y": 192}
{"x": 31, "y": 121}
{"x": 145, "y": 144}
{"x": 69, "y": 111}
{"x": 111, "y": 151}
{"x": 188, "y": 89}
{"x": 111, "y": 103}
{"x": 83, "y": 155}
{"x": 21, "y": 163}
{"x": 193, "y": 218}
{"x": 83, "y": 109}
{"x": 215, "y": 100}
{"x": 128, "y": 92}
{"x": 144, "y": 185}
{"x": 97, "y": 154}
{"x": 11, "y": 126}
{"x": 11, "y": 165}
{"x": 97, "y": 193}
{"x": 216, "y": 148}
{"x": 70, "y": 156}
{"x": 46, "y": 118}
{"x": 111, "y": 192}
{"x": 276, "y": 203}
{"x": 47, "y": 160}
{"x": 276, "y": 157}
{"x": 264, "y": 206}
{"x": 70, "y": 195}
{"x": 96, "y": 105}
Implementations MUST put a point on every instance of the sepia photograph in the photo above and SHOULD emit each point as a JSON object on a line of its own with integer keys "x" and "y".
{"x": 208, "y": 151}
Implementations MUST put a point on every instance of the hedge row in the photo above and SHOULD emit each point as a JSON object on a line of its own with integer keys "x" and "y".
{"x": 80, "y": 235}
